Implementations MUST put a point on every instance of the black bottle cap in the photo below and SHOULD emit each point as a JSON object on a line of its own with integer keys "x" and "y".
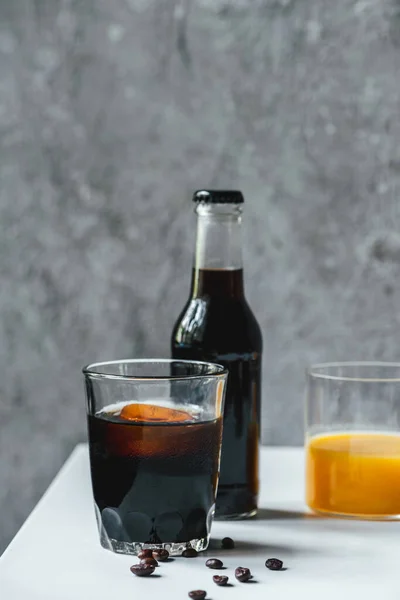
{"x": 218, "y": 197}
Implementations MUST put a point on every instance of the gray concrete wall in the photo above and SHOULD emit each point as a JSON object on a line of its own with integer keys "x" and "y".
{"x": 111, "y": 113}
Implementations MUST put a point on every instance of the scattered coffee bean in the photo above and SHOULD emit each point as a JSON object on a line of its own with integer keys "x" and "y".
{"x": 145, "y": 553}
{"x": 274, "y": 564}
{"x": 149, "y": 561}
{"x": 190, "y": 553}
{"x": 220, "y": 579}
{"x": 197, "y": 594}
{"x": 161, "y": 555}
{"x": 142, "y": 570}
{"x": 227, "y": 543}
{"x": 243, "y": 574}
{"x": 214, "y": 563}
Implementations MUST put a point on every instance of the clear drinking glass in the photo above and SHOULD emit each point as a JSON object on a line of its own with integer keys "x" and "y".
{"x": 353, "y": 439}
{"x": 155, "y": 429}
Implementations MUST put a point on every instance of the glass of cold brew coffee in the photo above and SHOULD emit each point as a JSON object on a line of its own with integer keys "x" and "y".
{"x": 155, "y": 431}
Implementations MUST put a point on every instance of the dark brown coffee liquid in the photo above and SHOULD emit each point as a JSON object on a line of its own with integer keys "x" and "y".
{"x": 154, "y": 474}
{"x": 218, "y": 325}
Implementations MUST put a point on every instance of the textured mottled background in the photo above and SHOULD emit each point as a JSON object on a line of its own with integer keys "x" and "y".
{"x": 111, "y": 113}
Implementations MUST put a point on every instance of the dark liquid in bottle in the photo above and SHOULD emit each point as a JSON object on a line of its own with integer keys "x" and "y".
{"x": 154, "y": 474}
{"x": 218, "y": 325}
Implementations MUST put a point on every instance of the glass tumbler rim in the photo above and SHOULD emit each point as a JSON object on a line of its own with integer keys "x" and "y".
{"x": 215, "y": 370}
{"x": 313, "y": 373}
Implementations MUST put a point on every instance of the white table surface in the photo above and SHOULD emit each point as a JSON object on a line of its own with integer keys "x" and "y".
{"x": 56, "y": 554}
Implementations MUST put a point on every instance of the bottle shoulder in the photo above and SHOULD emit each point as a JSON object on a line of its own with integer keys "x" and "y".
{"x": 221, "y": 323}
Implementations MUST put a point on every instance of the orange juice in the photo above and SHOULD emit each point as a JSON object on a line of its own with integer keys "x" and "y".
{"x": 354, "y": 474}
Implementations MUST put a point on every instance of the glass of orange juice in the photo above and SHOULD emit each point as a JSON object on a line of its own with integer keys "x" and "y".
{"x": 353, "y": 439}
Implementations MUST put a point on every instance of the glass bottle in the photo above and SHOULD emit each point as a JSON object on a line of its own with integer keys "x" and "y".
{"x": 218, "y": 325}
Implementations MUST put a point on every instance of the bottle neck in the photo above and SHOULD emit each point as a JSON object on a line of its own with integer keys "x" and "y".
{"x": 218, "y": 263}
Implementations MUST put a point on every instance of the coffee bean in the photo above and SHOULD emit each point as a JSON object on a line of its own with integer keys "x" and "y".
{"x": 243, "y": 574}
{"x": 149, "y": 561}
{"x": 227, "y": 543}
{"x": 145, "y": 553}
{"x": 220, "y": 579}
{"x": 274, "y": 564}
{"x": 197, "y": 594}
{"x": 190, "y": 553}
{"x": 142, "y": 570}
{"x": 214, "y": 563}
{"x": 161, "y": 555}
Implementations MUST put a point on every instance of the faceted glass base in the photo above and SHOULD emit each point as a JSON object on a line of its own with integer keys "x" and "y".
{"x": 111, "y": 524}
{"x": 174, "y": 549}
